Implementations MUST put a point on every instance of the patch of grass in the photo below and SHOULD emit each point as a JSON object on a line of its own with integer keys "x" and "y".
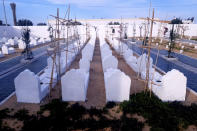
{"x": 130, "y": 124}
{"x": 4, "y": 114}
{"x": 22, "y": 115}
{"x": 161, "y": 115}
{"x": 64, "y": 117}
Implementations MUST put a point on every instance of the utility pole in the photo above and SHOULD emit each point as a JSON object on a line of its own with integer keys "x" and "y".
{"x": 5, "y": 14}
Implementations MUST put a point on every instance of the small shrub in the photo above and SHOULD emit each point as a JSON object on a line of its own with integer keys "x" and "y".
{"x": 22, "y": 115}
{"x": 110, "y": 105}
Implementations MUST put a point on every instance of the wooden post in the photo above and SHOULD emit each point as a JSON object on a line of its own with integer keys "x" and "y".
{"x": 59, "y": 54}
{"x": 149, "y": 47}
{"x": 52, "y": 72}
{"x": 67, "y": 37}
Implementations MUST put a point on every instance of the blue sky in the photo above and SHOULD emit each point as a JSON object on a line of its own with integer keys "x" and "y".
{"x": 39, "y": 10}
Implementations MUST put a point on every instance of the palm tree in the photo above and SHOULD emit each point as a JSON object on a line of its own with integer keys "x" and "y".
{"x": 13, "y": 7}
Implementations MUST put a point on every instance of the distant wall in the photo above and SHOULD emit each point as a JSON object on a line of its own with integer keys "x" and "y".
{"x": 37, "y": 31}
{"x": 12, "y": 31}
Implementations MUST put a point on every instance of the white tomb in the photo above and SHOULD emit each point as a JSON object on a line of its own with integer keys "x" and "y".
{"x": 28, "y": 88}
{"x": 1, "y": 54}
{"x": 11, "y": 42}
{"x": 173, "y": 86}
{"x": 33, "y": 42}
{"x": 84, "y": 64}
{"x": 21, "y": 44}
{"x": 117, "y": 85}
{"x": 132, "y": 62}
{"x": 74, "y": 85}
{"x": 142, "y": 63}
{"x": 6, "y": 50}
{"x": 109, "y": 62}
{"x": 106, "y": 52}
{"x": 87, "y": 53}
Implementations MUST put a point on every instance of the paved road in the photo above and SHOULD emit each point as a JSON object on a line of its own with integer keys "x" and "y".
{"x": 16, "y": 60}
{"x": 7, "y": 83}
{"x": 166, "y": 65}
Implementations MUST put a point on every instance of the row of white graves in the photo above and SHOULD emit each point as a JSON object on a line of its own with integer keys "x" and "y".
{"x": 32, "y": 88}
{"x": 75, "y": 82}
{"x": 170, "y": 87}
{"x": 8, "y": 45}
{"x": 7, "y": 50}
{"x": 117, "y": 83}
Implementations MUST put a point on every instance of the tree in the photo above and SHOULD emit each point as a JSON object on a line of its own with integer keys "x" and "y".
{"x": 41, "y": 24}
{"x": 50, "y": 29}
{"x": 113, "y": 23}
{"x": 24, "y": 22}
{"x": 192, "y": 19}
{"x": 26, "y": 38}
{"x": 184, "y": 28}
{"x": 1, "y": 22}
{"x": 172, "y": 42}
{"x": 176, "y": 21}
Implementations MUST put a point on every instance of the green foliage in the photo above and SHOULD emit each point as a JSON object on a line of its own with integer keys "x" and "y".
{"x": 129, "y": 124}
{"x": 22, "y": 115}
{"x": 176, "y": 21}
{"x": 26, "y": 38}
{"x": 41, "y": 24}
{"x": 161, "y": 115}
{"x": 65, "y": 117}
{"x": 1, "y": 22}
{"x": 4, "y": 114}
{"x": 24, "y": 22}
{"x": 113, "y": 23}
{"x": 26, "y": 35}
{"x": 110, "y": 105}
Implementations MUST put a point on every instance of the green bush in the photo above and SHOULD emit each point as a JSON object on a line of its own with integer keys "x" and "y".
{"x": 161, "y": 115}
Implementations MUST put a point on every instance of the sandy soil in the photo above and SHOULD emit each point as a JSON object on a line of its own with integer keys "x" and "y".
{"x": 96, "y": 88}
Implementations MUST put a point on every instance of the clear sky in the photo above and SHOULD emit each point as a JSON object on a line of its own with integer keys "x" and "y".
{"x": 39, "y": 10}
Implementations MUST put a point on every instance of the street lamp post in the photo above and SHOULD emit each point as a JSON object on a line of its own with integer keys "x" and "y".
{"x": 5, "y": 13}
